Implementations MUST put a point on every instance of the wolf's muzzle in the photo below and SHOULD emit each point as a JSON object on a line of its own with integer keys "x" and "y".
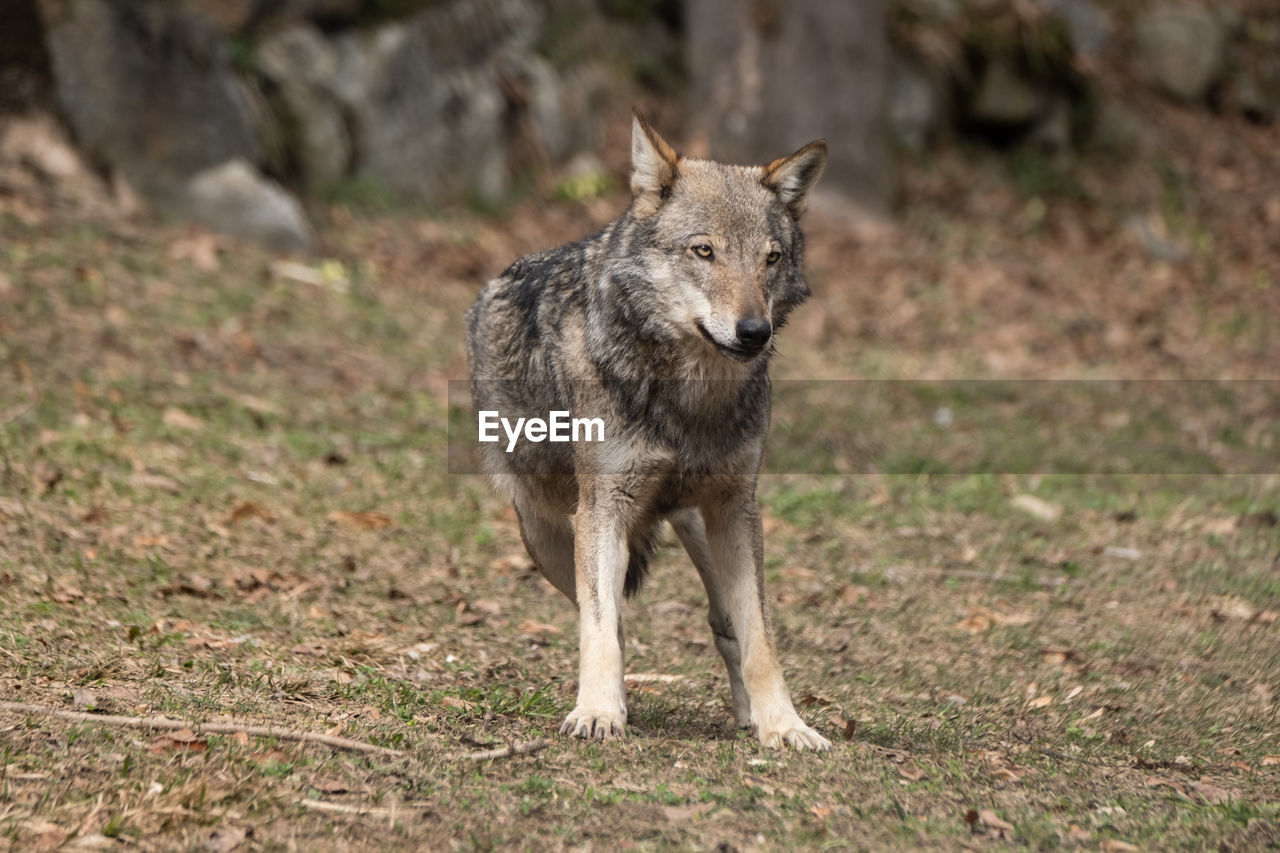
{"x": 753, "y": 334}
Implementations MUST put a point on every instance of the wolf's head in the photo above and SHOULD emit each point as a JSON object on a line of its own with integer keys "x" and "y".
{"x": 722, "y": 243}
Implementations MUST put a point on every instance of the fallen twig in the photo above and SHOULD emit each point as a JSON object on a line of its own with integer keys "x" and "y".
{"x": 654, "y": 678}
{"x": 343, "y": 808}
{"x": 166, "y": 724}
{"x": 507, "y": 751}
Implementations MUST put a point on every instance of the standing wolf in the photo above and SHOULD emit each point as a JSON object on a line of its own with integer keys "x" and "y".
{"x": 661, "y": 326}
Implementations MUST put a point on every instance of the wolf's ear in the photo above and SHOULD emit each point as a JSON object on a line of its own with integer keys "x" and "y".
{"x": 653, "y": 165}
{"x": 792, "y": 177}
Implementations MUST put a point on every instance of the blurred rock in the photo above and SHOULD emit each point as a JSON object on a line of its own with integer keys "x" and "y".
{"x": 1090, "y": 28}
{"x": 1118, "y": 127}
{"x": 148, "y": 90}
{"x": 1006, "y": 98}
{"x": 443, "y": 104}
{"x": 228, "y": 16}
{"x": 1257, "y": 90}
{"x": 946, "y": 10}
{"x": 915, "y": 104}
{"x": 1053, "y": 132}
{"x": 235, "y": 199}
{"x": 588, "y": 91}
{"x": 1255, "y": 85}
{"x": 1182, "y": 48}
{"x": 303, "y": 66}
{"x": 422, "y": 129}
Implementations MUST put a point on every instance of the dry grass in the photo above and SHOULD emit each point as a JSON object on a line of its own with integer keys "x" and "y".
{"x": 224, "y": 499}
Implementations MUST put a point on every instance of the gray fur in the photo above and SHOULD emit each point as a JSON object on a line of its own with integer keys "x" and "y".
{"x": 634, "y": 325}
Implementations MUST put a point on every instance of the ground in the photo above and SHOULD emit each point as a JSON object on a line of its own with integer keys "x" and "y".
{"x": 226, "y": 499}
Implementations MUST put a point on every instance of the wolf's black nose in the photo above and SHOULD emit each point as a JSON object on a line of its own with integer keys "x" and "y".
{"x": 754, "y": 332}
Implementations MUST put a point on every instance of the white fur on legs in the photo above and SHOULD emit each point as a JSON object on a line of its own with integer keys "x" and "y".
{"x": 736, "y": 544}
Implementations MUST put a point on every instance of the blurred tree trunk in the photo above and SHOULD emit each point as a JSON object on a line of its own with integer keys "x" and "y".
{"x": 769, "y": 76}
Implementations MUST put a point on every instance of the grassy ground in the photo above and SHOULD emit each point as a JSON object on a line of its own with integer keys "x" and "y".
{"x": 224, "y": 497}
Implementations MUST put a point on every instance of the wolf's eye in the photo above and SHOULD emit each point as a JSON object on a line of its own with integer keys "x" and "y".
{"x": 773, "y": 257}
{"x": 704, "y": 251}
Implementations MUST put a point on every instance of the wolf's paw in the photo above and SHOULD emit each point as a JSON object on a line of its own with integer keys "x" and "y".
{"x": 795, "y": 734}
{"x": 594, "y": 724}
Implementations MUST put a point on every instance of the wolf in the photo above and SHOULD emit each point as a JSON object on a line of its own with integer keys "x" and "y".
{"x": 662, "y": 326}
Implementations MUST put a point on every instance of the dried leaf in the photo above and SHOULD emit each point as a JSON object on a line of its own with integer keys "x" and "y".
{"x": 183, "y": 740}
{"x": 487, "y": 606}
{"x": 200, "y": 249}
{"x": 1002, "y": 828}
{"x": 326, "y": 785}
{"x": 538, "y": 631}
{"x": 458, "y": 702}
{"x": 366, "y": 520}
{"x": 82, "y": 699}
{"x": 977, "y": 622}
{"x": 798, "y": 573}
{"x": 1212, "y": 794}
{"x": 1036, "y": 507}
{"x": 1115, "y": 845}
{"x": 853, "y": 594}
{"x": 178, "y": 419}
{"x": 1040, "y": 702}
{"x": 846, "y": 726}
{"x": 1077, "y": 834}
{"x": 245, "y": 510}
{"x": 1013, "y": 618}
{"x": 1057, "y": 656}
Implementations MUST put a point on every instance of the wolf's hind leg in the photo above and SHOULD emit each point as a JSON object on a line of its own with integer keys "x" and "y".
{"x": 692, "y": 533}
{"x": 550, "y": 544}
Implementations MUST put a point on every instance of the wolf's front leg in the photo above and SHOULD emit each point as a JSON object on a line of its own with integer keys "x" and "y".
{"x": 600, "y": 568}
{"x": 736, "y": 542}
